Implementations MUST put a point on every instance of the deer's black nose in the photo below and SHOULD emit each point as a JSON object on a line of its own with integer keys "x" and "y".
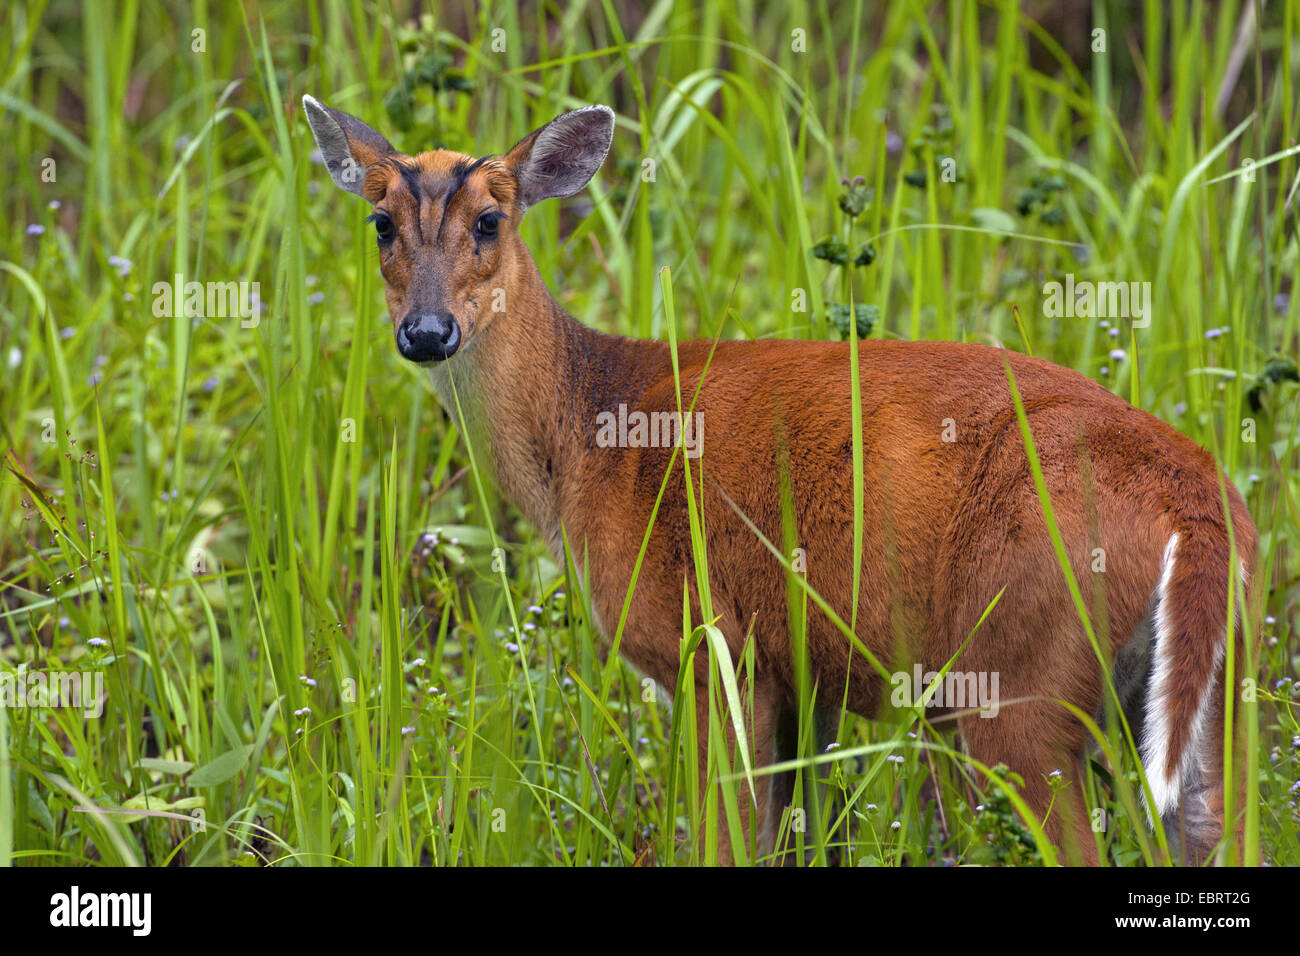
{"x": 428, "y": 336}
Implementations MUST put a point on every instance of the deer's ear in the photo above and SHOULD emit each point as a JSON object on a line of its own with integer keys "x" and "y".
{"x": 561, "y": 157}
{"x": 348, "y": 145}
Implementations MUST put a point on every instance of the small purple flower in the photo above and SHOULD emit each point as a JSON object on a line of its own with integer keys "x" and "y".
{"x": 512, "y": 647}
{"x": 302, "y": 712}
{"x": 55, "y": 204}
{"x": 1113, "y": 333}
{"x": 407, "y": 731}
{"x": 308, "y": 681}
{"x": 210, "y": 385}
{"x": 67, "y": 332}
{"x": 121, "y": 264}
{"x": 316, "y": 298}
{"x": 1270, "y": 620}
{"x": 1055, "y": 774}
{"x": 1105, "y": 370}
{"x": 94, "y": 378}
{"x": 1118, "y": 355}
{"x": 895, "y": 825}
{"x": 534, "y": 609}
{"x": 1213, "y": 333}
{"x": 1282, "y": 302}
{"x": 97, "y": 642}
{"x": 529, "y": 626}
{"x": 35, "y": 229}
{"x": 418, "y": 662}
{"x": 833, "y": 745}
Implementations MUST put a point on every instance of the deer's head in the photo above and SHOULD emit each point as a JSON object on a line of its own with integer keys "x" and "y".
{"x": 447, "y": 224}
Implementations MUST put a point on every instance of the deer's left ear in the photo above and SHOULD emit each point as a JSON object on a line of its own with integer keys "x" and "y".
{"x": 561, "y": 157}
{"x": 347, "y": 145}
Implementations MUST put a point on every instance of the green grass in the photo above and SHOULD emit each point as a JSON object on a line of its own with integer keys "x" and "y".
{"x": 323, "y": 639}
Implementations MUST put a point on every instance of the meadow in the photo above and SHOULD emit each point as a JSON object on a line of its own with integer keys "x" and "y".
{"x": 322, "y": 637}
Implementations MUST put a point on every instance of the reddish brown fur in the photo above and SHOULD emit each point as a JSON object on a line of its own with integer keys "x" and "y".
{"x": 946, "y": 524}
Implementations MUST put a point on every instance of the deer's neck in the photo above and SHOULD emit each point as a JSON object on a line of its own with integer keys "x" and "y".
{"x": 530, "y": 386}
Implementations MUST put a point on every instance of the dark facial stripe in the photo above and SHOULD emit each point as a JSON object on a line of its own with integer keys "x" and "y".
{"x": 411, "y": 176}
{"x": 460, "y": 172}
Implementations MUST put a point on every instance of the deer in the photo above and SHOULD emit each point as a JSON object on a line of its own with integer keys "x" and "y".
{"x": 957, "y": 557}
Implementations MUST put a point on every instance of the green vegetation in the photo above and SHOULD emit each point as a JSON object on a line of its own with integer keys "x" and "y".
{"x": 273, "y": 543}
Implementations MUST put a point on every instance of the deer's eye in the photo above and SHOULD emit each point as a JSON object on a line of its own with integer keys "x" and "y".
{"x": 485, "y": 227}
{"x": 384, "y": 228}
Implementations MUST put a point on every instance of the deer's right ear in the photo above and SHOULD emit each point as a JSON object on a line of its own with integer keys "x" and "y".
{"x": 347, "y": 145}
